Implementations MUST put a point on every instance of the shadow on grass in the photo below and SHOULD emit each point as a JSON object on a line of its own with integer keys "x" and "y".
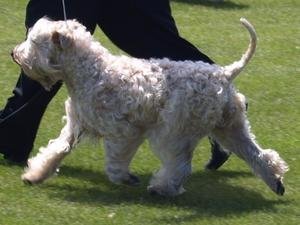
{"x": 208, "y": 193}
{"x": 214, "y": 4}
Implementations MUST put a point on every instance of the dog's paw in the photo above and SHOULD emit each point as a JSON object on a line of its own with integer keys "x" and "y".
{"x": 272, "y": 170}
{"x": 276, "y": 185}
{"x": 124, "y": 178}
{"x": 154, "y": 190}
{"x": 131, "y": 180}
{"x": 38, "y": 170}
{"x": 165, "y": 191}
{"x": 34, "y": 177}
{"x": 280, "y": 188}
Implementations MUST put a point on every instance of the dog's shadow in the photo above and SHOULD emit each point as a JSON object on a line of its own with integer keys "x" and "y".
{"x": 209, "y": 193}
{"x": 213, "y": 4}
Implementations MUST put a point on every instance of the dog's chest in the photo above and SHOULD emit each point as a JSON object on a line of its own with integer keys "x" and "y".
{"x": 109, "y": 111}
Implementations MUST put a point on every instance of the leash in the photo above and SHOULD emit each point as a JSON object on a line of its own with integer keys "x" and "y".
{"x": 64, "y": 9}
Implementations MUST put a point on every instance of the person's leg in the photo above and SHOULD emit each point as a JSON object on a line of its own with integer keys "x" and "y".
{"x": 21, "y": 116}
{"x": 146, "y": 29}
{"x": 83, "y": 11}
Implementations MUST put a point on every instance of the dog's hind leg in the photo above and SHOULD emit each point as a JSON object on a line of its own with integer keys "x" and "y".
{"x": 119, "y": 153}
{"x": 46, "y": 162}
{"x": 175, "y": 152}
{"x": 265, "y": 163}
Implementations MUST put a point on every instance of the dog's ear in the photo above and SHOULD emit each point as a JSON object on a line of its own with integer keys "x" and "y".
{"x": 61, "y": 41}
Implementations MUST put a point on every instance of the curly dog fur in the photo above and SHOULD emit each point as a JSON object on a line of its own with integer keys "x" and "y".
{"x": 125, "y": 100}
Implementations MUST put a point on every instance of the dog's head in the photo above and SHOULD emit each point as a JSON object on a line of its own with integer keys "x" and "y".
{"x": 41, "y": 55}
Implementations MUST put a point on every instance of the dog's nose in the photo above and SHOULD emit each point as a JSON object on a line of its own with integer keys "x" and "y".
{"x": 12, "y": 54}
{"x": 14, "y": 57}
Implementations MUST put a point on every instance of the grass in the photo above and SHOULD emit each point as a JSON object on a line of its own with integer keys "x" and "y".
{"x": 81, "y": 194}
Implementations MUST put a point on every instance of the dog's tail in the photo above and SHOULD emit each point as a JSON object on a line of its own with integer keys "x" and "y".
{"x": 231, "y": 71}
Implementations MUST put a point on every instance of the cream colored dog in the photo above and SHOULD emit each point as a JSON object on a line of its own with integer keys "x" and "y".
{"x": 126, "y": 100}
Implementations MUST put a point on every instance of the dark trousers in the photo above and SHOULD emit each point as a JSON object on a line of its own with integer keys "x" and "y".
{"x": 142, "y": 28}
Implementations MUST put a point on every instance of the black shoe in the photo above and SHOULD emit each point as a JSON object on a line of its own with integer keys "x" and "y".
{"x": 15, "y": 137}
{"x": 15, "y": 159}
{"x": 13, "y": 162}
{"x": 218, "y": 156}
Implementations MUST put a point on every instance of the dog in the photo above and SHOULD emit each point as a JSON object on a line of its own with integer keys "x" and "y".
{"x": 126, "y": 100}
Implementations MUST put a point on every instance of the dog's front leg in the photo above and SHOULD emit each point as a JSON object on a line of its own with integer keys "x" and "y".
{"x": 119, "y": 153}
{"x": 175, "y": 153}
{"x": 46, "y": 162}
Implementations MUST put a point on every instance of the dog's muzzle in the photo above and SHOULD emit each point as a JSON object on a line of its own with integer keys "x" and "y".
{"x": 14, "y": 56}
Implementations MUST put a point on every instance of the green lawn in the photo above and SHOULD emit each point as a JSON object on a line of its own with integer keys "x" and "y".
{"x": 81, "y": 193}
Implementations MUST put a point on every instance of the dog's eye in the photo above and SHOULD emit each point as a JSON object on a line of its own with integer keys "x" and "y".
{"x": 33, "y": 41}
